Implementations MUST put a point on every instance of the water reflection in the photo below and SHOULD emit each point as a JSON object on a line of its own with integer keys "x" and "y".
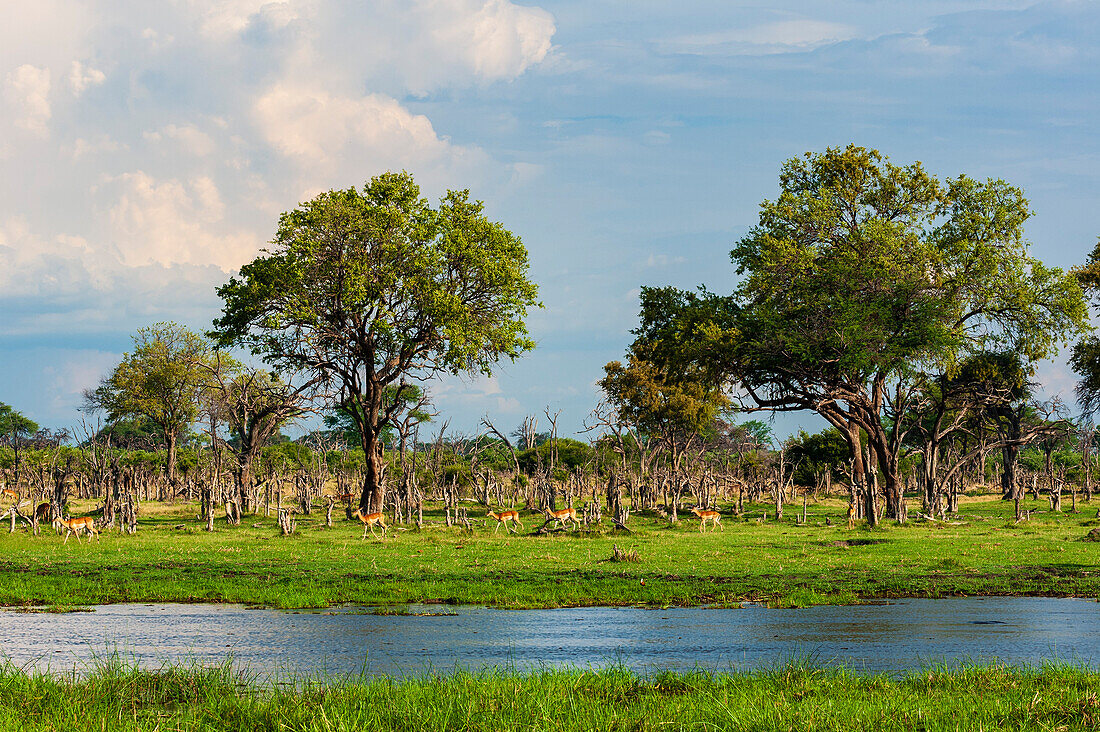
{"x": 901, "y": 635}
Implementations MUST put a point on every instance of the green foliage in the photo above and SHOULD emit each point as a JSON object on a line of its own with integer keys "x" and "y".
{"x": 378, "y": 280}
{"x": 14, "y": 425}
{"x": 342, "y": 422}
{"x": 160, "y": 381}
{"x": 571, "y": 454}
{"x": 131, "y": 433}
{"x": 813, "y": 454}
{"x": 1085, "y": 360}
{"x": 289, "y": 454}
{"x": 862, "y": 267}
{"x": 662, "y": 401}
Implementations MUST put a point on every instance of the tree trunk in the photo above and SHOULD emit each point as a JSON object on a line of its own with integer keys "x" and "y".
{"x": 373, "y": 489}
{"x": 245, "y": 481}
{"x": 1010, "y": 484}
{"x": 859, "y": 471}
{"x": 170, "y": 468}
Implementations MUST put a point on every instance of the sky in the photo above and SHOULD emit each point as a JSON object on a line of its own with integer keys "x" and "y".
{"x": 147, "y": 149}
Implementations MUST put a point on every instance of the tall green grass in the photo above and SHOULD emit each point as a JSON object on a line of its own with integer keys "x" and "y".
{"x": 793, "y": 696}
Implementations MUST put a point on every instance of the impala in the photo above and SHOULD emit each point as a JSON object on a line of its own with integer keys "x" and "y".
{"x": 9, "y": 493}
{"x": 503, "y": 518}
{"x": 42, "y": 512}
{"x": 75, "y": 526}
{"x": 566, "y": 514}
{"x": 369, "y": 520}
{"x": 345, "y": 497}
{"x": 705, "y": 515}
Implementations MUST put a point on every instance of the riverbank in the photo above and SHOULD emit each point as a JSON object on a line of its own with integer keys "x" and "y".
{"x": 792, "y": 696}
{"x": 171, "y": 559}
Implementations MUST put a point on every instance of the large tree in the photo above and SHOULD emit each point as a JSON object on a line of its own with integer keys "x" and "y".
{"x": 864, "y": 279}
{"x": 368, "y": 289}
{"x": 160, "y": 381}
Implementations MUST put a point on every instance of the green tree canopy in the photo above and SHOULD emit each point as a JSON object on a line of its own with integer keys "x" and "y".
{"x": 15, "y": 425}
{"x": 160, "y": 381}
{"x": 363, "y": 288}
{"x": 863, "y": 278}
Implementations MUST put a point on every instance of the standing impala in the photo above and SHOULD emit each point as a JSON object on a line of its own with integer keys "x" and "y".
{"x": 705, "y": 515}
{"x": 369, "y": 520}
{"x": 566, "y": 514}
{"x": 75, "y": 526}
{"x": 503, "y": 518}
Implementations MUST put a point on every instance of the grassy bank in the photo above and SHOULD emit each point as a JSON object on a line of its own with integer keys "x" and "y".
{"x": 171, "y": 559}
{"x": 789, "y": 697}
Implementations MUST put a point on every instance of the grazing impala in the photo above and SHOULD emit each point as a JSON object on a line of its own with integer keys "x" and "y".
{"x": 42, "y": 512}
{"x": 346, "y": 497}
{"x": 705, "y": 515}
{"x": 566, "y": 514}
{"x": 8, "y": 493}
{"x": 503, "y": 518}
{"x": 369, "y": 520}
{"x": 75, "y": 526}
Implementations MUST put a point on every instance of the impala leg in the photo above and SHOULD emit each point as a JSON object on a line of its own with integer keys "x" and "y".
{"x": 719, "y": 522}
{"x": 497, "y": 528}
{"x": 365, "y": 527}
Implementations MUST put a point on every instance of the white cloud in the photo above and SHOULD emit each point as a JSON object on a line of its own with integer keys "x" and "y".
{"x": 333, "y": 136}
{"x": 99, "y": 144}
{"x": 175, "y": 222}
{"x": 68, "y": 284}
{"x": 418, "y": 46}
{"x": 499, "y": 40}
{"x": 222, "y": 18}
{"x": 27, "y": 89}
{"x": 190, "y": 139}
{"x": 82, "y": 77}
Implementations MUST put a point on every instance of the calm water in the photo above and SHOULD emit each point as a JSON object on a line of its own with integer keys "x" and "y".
{"x": 898, "y": 636}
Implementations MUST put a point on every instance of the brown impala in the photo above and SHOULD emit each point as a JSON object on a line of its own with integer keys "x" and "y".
{"x": 75, "y": 526}
{"x": 566, "y": 514}
{"x": 705, "y": 515}
{"x": 503, "y": 518}
{"x": 369, "y": 520}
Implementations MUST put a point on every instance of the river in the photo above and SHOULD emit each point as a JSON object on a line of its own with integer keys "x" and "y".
{"x": 894, "y": 636}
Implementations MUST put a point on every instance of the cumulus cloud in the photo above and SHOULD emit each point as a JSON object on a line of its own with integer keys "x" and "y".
{"x": 328, "y": 134}
{"x": 66, "y": 284}
{"x": 418, "y": 46}
{"x": 241, "y": 127}
{"x": 82, "y": 77}
{"x": 190, "y": 138}
{"x": 499, "y": 40}
{"x": 27, "y": 90}
{"x": 175, "y": 222}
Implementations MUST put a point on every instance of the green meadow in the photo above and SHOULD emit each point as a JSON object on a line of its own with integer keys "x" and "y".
{"x": 172, "y": 559}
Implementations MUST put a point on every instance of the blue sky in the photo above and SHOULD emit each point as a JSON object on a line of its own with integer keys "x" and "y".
{"x": 146, "y": 149}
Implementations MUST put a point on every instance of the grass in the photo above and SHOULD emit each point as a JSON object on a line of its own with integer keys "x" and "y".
{"x": 791, "y": 696}
{"x": 172, "y": 559}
